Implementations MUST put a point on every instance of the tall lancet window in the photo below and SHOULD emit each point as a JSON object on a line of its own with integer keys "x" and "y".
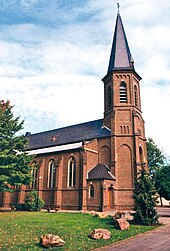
{"x": 34, "y": 175}
{"x": 141, "y": 155}
{"x": 123, "y": 92}
{"x": 51, "y": 174}
{"x": 136, "y": 95}
{"x": 91, "y": 191}
{"x": 109, "y": 97}
{"x": 71, "y": 181}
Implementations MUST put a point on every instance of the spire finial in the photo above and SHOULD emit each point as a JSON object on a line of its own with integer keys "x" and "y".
{"x": 118, "y": 6}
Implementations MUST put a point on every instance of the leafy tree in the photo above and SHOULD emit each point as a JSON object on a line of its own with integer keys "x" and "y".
{"x": 162, "y": 182}
{"x": 145, "y": 200}
{"x": 14, "y": 163}
{"x": 159, "y": 169}
{"x": 156, "y": 158}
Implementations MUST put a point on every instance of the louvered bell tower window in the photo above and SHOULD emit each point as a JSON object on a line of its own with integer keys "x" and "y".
{"x": 123, "y": 92}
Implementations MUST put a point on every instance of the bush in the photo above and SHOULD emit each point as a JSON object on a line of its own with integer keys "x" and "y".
{"x": 21, "y": 207}
{"x": 33, "y": 202}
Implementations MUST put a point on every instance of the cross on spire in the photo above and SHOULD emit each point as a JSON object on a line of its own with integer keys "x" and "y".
{"x": 118, "y": 6}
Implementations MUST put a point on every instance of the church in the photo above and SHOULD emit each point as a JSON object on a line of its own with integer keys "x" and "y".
{"x": 92, "y": 165}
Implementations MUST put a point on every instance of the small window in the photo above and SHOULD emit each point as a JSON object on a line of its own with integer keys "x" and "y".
{"x": 71, "y": 182}
{"x": 34, "y": 175}
{"x": 121, "y": 129}
{"x": 51, "y": 174}
{"x": 123, "y": 92}
{"x": 91, "y": 191}
{"x": 136, "y": 95}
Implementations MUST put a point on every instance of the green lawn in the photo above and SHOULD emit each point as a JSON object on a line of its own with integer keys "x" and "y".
{"x": 22, "y": 230}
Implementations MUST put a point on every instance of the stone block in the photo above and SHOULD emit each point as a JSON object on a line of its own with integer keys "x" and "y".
{"x": 100, "y": 234}
{"x": 50, "y": 240}
{"x": 121, "y": 224}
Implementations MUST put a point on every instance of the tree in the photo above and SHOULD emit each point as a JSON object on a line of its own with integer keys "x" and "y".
{"x": 145, "y": 200}
{"x": 14, "y": 162}
{"x": 156, "y": 158}
{"x": 162, "y": 182}
{"x": 159, "y": 169}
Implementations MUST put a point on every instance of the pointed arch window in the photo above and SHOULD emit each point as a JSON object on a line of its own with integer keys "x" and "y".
{"x": 141, "y": 155}
{"x": 136, "y": 95}
{"x": 71, "y": 181}
{"x": 34, "y": 175}
{"x": 123, "y": 92}
{"x": 91, "y": 191}
{"x": 109, "y": 96}
{"x": 51, "y": 174}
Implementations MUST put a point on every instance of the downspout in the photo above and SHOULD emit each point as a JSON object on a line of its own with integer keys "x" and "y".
{"x": 80, "y": 178}
{"x": 134, "y": 142}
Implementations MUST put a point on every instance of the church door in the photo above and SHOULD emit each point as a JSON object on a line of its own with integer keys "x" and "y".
{"x": 110, "y": 197}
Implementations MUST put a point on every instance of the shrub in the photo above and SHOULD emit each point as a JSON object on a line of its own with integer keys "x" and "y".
{"x": 33, "y": 202}
{"x": 21, "y": 207}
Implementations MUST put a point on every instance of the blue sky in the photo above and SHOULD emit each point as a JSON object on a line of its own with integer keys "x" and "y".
{"x": 54, "y": 54}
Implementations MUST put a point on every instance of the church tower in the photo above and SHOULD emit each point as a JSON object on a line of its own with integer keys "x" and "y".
{"x": 123, "y": 116}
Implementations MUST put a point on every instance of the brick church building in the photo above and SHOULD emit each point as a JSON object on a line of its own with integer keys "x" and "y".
{"x": 92, "y": 165}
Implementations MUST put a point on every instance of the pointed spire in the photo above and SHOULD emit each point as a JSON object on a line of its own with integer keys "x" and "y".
{"x": 120, "y": 57}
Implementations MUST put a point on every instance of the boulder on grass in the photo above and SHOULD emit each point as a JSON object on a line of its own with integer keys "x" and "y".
{"x": 121, "y": 224}
{"x": 50, "y": 240}
{"x": 100, "y": 234}
{"x": 119, "y": 215}
{"x": 92, "y": 213}
{"x": 101, "y": 215}
{"x": 83, "y": 211}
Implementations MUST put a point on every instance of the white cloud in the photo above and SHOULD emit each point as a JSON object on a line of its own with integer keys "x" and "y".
{"x": 155, "y": 105}
{"x": 52, "y": 61}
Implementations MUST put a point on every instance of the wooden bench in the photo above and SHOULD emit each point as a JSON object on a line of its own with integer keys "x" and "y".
{"x": 49, "y": 208}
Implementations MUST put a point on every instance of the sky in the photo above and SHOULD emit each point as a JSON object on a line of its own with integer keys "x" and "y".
{"x": 54, "y": 54}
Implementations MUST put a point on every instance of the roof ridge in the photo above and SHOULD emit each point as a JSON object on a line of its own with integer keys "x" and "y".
{"x": 66, "y": 127}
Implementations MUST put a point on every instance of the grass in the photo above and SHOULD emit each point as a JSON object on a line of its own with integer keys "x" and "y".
{"x": 21, "y": 231}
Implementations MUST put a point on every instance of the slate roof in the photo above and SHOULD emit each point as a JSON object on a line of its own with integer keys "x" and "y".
{"x": 120, "y": 57}
{"x": 100, "y": 172}
{"x": 67, "y": 135}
